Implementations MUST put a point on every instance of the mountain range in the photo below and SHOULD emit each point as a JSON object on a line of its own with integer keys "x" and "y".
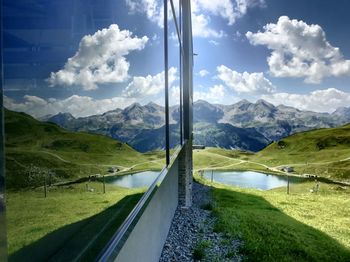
{"x": 243, "y": 125}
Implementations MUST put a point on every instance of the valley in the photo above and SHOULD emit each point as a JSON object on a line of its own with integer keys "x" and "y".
{"x": 71, "y": 164}
{"x": 243, "y": 125}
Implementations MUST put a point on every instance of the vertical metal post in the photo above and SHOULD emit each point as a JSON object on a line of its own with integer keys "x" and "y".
{"x": 180, "y": 71}
{"x": 166, "y": 83}
{"x": 45, "y": 187}
{"x": 104, "y": 185}
{"x": 185, "y": 158}
{"x": 187, "y": 67}
{"x": 3, "y": 231}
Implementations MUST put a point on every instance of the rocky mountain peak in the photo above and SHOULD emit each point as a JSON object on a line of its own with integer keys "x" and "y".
{"x": 61, "y": 118}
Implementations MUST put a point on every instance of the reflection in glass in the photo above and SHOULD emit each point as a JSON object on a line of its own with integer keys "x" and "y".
{"x": 84, "y": 103}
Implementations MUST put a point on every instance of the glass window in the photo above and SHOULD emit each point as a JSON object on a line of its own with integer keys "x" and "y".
{"x": 84, "y": 120}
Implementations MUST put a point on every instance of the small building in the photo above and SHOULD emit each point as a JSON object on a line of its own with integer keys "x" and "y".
{"x": 113, "y": 169}
{"x": 288, "y": 169}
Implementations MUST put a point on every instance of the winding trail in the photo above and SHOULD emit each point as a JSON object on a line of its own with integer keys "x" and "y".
{"x": 271, "y": 168}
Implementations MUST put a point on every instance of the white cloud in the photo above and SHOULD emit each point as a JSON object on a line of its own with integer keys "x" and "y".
{"x": 203, "y": 73}
{"x": 99, "y": 60}
{"x": 300, "y": 50}
{"x": 229, "y": 10}
{"x": 215, "y": 94}
{"x": 149, "y": 85}
{"x": 326, "y": 100}
{"x": 200, "y": 27}
{"x": 174, "y": 96}
{"x": 76, "y": 105}
{"x": 237, "y": 36}
{"x": 226, "y": 9}
{"x": 254, "y": 83}
{"x": 213, "y": 42}
{"x": 152, "y": 8}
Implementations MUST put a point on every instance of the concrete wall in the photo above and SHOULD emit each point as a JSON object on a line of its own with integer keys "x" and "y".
{"x": 185, "y": 175}
{"x": 145, "y": 242}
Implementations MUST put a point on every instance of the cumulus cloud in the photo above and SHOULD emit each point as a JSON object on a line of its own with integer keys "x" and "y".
{"x": 76, "y": 105}
{"x": 152, "y": 8}
{"x": 149, "y": 85}
{"x": 200, "y": 27}
{"x": 215, "y": 94}
{"x": 100, "y": 59}
{"x": 326, "y": 100}
{"x": 300, "y": 50}
{"x": 203, "y": 73}
{"x": 229, "y": 10}
{"x": 254, "y": 83}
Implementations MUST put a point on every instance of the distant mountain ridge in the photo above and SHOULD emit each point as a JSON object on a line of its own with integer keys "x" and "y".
{"x": 243, "y": 125}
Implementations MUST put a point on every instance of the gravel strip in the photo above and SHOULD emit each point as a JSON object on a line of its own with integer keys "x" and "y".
{"x": 191, "y": 236}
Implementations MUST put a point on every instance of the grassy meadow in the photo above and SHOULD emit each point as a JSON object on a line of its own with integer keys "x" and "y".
{"x": 69, "y": 223}
{"x": 75, "y": 222}
{"x": 274, "y": 226}
{"x": 322, "y": 152}
{"x": 34, "y": 149}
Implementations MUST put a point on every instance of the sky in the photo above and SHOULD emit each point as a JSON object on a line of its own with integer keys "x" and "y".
{"x": 86, "y": 57}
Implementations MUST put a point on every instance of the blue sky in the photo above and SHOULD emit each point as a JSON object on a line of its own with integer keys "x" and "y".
{"x": 87, "y": 57}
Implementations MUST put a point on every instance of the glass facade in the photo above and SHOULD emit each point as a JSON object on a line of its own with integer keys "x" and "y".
{"x": 90, "y": 97}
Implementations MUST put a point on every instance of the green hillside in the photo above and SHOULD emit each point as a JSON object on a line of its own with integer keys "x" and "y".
{"x": 81, "y": 216}
{"x": 36, "y": 149}
{"x": 323, "y": 152}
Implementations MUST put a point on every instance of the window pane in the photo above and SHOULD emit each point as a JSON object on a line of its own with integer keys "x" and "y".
{"x": 84, "y": 98}
{"x": 174, "y": 78}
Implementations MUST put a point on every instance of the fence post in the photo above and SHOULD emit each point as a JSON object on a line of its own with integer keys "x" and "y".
{"x": 104, "y": 185}
{"x": 45, "y": 188}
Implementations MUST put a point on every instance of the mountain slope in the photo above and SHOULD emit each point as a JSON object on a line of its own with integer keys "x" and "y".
{"x": 228, "y": 136}
{"x": 276, "y": 122}
{"x": 272, "y": 122}
{"x": 324, "y": 152}
{"x": 34, "y": 149}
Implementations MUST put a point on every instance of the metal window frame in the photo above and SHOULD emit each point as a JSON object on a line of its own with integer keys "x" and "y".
{"x": 3, "y": 231}
{"x": 178, "y": 27}
{"x": 186, "y": 63}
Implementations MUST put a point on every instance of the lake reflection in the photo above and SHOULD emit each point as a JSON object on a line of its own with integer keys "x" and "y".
{"x": 141, "y": 179}
{"x": 250, "y": 179}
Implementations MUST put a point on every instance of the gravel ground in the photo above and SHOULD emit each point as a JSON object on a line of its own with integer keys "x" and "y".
{"x": 191, "y": 236}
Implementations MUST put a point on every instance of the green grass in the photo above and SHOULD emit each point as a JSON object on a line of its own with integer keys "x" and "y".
{"x": 63, "y": 224}
{"x": 31, "y": 144}
{"x": 275, "y": 226}
{"x": 322, "y": 152}
{"x": 317, "y": 152}
{"x": 200, "y": 249}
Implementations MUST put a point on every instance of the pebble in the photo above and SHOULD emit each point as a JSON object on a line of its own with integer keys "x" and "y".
{"x": 194, "y": 225}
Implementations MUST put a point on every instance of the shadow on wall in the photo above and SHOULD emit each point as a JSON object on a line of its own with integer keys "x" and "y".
{"x": 3, "y": 239}
{"x": 71, "y": 242}
{"x": 271, "y": 235}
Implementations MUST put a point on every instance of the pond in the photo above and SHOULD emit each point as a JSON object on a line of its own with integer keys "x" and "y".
{"x": 141, "y": 179}
{"x": 250, "y": 179}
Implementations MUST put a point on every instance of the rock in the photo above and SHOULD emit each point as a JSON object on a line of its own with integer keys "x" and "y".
{"x": 192, "y": 226}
